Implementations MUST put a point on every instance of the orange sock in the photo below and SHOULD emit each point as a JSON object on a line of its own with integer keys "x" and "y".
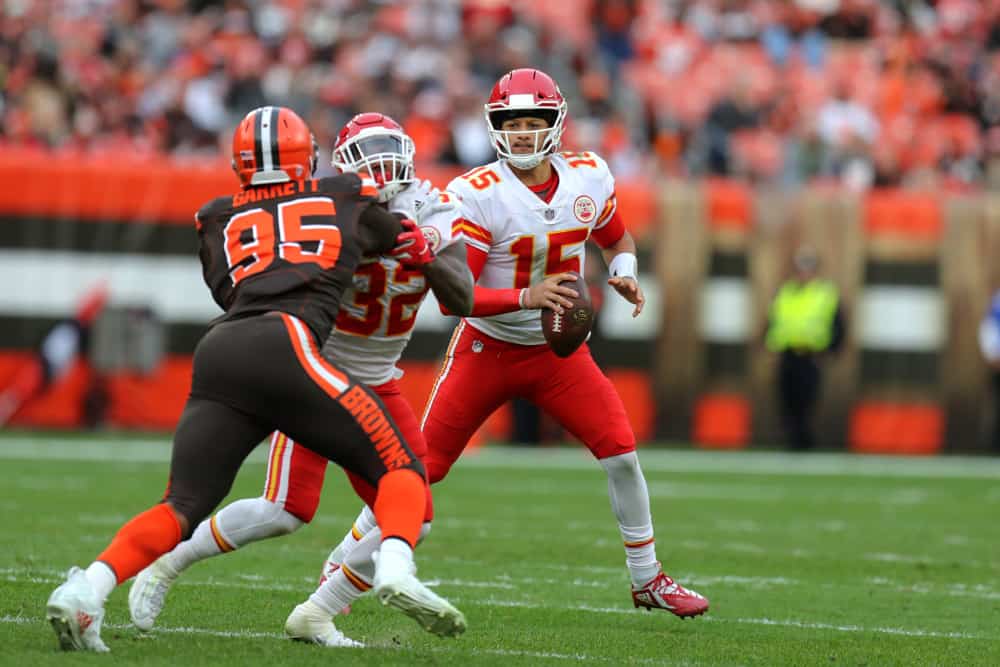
{"x": 141, "y": 541}
{"x": 400, "y": 505}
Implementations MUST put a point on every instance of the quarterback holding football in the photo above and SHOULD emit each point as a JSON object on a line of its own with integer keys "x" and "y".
{"x": 526, "y": 219}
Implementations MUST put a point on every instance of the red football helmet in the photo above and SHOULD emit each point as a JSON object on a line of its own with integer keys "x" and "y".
{"x": 377, "y": 145}
{"x": 273, "y": 145}
{"x": 526, "y": 92}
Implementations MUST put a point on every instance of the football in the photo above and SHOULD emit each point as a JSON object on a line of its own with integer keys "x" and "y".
{"x": 566, "y": 332}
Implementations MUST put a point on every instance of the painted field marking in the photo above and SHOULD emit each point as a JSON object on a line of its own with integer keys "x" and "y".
{"x": 783, "y": 464}
{"x": 248, "y": 634}
{"x": 265, "y": 584}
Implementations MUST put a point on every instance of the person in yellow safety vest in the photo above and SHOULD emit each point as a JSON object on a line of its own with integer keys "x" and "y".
{"x": 805, "y": 323}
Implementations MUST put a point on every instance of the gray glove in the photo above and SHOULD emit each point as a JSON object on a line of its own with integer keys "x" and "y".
{"x": 409, "y": 202}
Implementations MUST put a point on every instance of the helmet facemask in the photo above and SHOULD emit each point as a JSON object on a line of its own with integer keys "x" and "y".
{"x": 386, "y": 155}
{"x": 546, "y": 140}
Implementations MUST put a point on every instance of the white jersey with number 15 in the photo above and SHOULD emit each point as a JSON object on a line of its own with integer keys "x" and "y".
{"x": 527, "y": 239}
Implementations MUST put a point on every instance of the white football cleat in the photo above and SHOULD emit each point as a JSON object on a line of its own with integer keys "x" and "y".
{"x": 309, "y": 623}
{"x": 76, "y": 614}
{"x": 149, "y": 592}
{"x": 396, "y": 585}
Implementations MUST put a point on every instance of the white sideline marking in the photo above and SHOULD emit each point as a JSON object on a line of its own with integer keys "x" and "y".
{"x": 748, "y": 621}
{"x": 240, "y": 634}
{"x": 248, "y": 634}
{"x": 506, "y": 582}
{"x": 529, "y": 605}
{"x": 563, "y": 458}
{"x": 851, "y": 628}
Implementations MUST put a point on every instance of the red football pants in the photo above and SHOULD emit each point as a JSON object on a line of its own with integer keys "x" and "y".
{"x": 295, "y": 474}
{"x": 481, "y": 373}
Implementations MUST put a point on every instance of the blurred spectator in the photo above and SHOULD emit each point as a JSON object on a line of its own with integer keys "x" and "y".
{"x": 848, "y": 130}
{"x": 684, "y": 86}
{"x": 852, "y": 19}
{"x": 612, "y": 21}
{"x": 469, "y": 142}
{"x": 733, "y": 112}
{"x": 790, "y": 31}
{"x": 989, "y": 344}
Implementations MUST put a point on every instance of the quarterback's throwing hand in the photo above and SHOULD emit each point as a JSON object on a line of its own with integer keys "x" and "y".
{"x": 630, "y": 290}
{"x": 411, "y": 246}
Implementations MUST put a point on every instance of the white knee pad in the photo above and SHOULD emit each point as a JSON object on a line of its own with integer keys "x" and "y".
{"x": 253, "y": 519}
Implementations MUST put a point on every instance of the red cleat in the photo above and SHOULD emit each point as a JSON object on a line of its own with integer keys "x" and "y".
{"x": 662, "y": 592}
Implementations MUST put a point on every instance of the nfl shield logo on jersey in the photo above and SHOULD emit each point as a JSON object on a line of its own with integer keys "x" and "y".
{"x": 584, "y": 208}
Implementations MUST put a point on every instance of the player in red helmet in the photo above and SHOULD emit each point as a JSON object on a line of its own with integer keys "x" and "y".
{"x": 374, "y": 325}
{"x": 514, "y": 95}
{"x": 526, "y": 219}
{"x": 278, "y": 257}
{"x": 375, "y": 144}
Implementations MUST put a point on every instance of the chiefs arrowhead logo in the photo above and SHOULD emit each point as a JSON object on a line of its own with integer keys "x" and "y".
{"x": 433, "y": 237}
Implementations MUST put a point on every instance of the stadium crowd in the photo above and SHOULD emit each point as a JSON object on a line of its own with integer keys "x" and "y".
{"x": 903, "y": 92}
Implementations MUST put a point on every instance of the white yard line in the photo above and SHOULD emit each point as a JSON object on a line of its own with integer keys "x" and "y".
{"x": 256, "y": 583}
{"x": 749, "y": 621}
{"x": 852, "y": 628}
{"x": 611, "y": 577}
{"x": 247, "y": 634}
{"x": 240, "y": 634}
{"x": 788, "y": 623}
{"x": 146, "y": 449}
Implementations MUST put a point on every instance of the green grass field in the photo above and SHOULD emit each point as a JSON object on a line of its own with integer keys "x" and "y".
{"x": 808, "y": 560}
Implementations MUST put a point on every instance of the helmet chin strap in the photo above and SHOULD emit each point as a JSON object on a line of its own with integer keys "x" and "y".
{"x": 526, "y": 162}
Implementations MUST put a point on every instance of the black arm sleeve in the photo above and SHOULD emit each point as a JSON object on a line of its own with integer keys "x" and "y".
{"x": 839, "y": 330}
{"x": 377, "y": 230}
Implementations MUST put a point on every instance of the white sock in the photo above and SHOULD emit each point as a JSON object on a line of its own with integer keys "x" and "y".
{"x": 363, "y": 525}
{"x": 356, "y": 573}
{"x": 394, "y": 555}
{"x": 629, "y": 497}
{"x": 235, "y": 525}
{"x": 102, "y": 579}
{"x": 359, "y": 561}
{"x": 339, "y": 590}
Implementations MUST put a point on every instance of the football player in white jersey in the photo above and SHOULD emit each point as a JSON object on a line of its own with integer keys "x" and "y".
{"x": 373, "y": 326}
{"x": 525, "y": 219}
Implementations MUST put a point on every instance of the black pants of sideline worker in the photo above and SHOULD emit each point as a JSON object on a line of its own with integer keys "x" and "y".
{"x": 798, "y": 391}
{"x": 996, "y": 412}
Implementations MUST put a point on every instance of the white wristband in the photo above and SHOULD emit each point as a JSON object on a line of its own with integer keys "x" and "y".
{"x": 623, "y": 265}
{"x": 522, "y": 298}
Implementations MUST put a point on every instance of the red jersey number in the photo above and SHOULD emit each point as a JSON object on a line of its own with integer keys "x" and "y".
{"x": 523, "y": 250}
{"x": 399, "y": 321}
{"x": 482, "y": 178}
